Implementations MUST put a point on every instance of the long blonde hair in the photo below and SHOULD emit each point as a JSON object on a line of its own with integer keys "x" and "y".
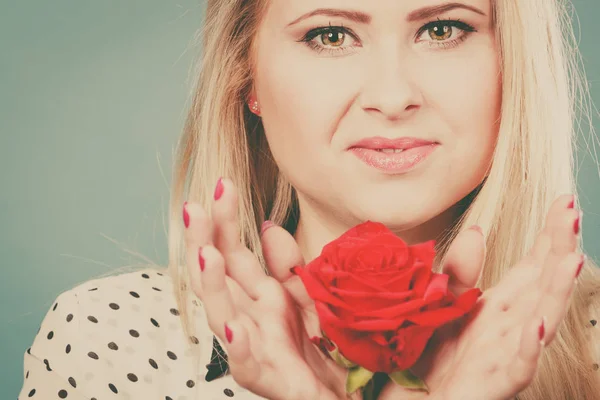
{"x": 543, "y": 88}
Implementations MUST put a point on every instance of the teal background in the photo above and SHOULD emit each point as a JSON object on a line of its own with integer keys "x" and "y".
{"x": 93, "y": 97}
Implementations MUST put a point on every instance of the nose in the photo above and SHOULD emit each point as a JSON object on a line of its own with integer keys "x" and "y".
{"x": 390, "y": 87}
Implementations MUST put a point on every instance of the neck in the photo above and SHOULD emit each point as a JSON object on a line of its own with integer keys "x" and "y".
{"x": 317, "y": 227}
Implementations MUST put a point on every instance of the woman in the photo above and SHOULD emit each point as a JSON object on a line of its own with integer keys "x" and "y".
{"x": 306, "y": 107}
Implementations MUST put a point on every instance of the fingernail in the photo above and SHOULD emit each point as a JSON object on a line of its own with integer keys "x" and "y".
{"x": 580, "y": 266}
{"x": 200, "y": 259}
{"x": 577, "y": 224}
{"x": 266, "y": 225}
{"x": 477, "y": 228}
{"x": 219, "y": 189}
{"x": 572, "y": 203}
{"x": 186, "y": 216}
{"x": 542, "y": 330}
{"x": 228, "y": 333}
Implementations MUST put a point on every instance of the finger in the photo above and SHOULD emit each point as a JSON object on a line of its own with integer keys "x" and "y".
{"x": 244, "y": 367}
{"x": 241, "y": 264}
{"x": 281, "y": 254}
{"x": 464, "y": 260}
{"x": 197, "y": 233}
{"x": 555, "y": 298}
{"x": 522, "y": 371}
{"x": 564, "y": 241}
{"x": 508, "y": 294}
{"x": 217, "y": 299}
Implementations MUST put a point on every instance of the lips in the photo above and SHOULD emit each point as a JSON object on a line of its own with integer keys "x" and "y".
{"x": 390, "y": 145}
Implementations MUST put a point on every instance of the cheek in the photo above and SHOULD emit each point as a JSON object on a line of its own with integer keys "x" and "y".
{"x": 467, "y": 96}
{"x": 303, "y": 98}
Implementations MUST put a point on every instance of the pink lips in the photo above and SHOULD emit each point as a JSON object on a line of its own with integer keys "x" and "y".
{"x": 378, "y": 152}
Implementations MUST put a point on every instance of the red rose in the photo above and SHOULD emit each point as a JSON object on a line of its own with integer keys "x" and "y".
{"x": 378, "y": 299}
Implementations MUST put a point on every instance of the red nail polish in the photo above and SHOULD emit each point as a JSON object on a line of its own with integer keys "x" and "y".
{"x": 219, "y": 189}
{"x": 186, "y": 216}
{"x": 266, "y": 225}
{"x": 577, "y": 224}
{"x": 542, "y": 330}
{"x": 200, "y": 259}
{"x": 572, "y": 203}
{"x": 580, "y": 266}
{"x": 228, "y": 333}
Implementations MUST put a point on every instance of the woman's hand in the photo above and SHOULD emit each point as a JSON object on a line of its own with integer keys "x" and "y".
{"x": 494, "y": 353}
{"x": 263, "y": 327}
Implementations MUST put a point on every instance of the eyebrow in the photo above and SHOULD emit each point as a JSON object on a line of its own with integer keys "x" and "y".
{"x": 360, "y": 17}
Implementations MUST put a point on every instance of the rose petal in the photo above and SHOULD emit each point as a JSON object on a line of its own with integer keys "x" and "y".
{"x": 359, "y": 349}
{"x": 410, "y": 343}
{"x": 316, "y": 290}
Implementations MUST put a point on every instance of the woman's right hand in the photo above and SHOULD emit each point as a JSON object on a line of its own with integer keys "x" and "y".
{"x": 265, "y": 330}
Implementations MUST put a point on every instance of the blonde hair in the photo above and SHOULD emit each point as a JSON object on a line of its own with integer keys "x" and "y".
{"x": 532, "y": 164}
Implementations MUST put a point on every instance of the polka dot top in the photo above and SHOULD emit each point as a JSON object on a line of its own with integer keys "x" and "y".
{"x": 121, "y": 337}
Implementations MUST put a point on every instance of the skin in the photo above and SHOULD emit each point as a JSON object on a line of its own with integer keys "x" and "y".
{"x": 382, "y": 78}
{"x": 390, "y": 85}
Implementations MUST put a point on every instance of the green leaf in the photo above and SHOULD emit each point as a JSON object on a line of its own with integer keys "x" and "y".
{"x": 357, "y": 378}
{"x": 408, "y": 380}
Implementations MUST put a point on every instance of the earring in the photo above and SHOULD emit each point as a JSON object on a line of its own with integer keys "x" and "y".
{"x": 254, "y": 107}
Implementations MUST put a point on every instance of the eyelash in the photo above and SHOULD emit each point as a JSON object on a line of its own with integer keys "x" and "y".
{"x": 466, "y": 29}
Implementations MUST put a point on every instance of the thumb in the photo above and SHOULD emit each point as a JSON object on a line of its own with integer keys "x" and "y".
{"x": 282, "y": 253}
{"x": 464, "y": 260}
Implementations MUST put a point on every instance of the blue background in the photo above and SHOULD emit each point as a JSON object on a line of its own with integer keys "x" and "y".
{"x": 93, "y": 98}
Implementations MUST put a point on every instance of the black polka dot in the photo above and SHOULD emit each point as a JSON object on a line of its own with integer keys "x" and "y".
{"x": 157, "y": 289}
{"x": 593, "y": 322}
{"x": 113, "y": 388}
{"x": 194, "y": 339}
{"x": 228, "y": 392}
{"x": 132, "y": 377}
{"x": 134, "y": 294}
{"x": 47, "y": 365}
{"x": 92, "y": 319}
{"x": 72, "y": 382}
{"x": 93, "y": 289}
{"x": 113, "y": 346}
{"x": 153, "y": 363}
{"x": 69, "y": 317}
{"x": 190, "y": 383}
{"x": 168, "y": 398}
{"x": 68, "y": 349}
{"x": 171, "y": 355}
{"x": 134, "y": 333}
{"x": 31, "y": 393}
{"x": 55, "y": 305}
{"x": 29, "y": 350}
{"x": 27, "y": 375}
{"x": 62, "y": 394}
{"x": 159, "y": 274}
{"x": 114, "y": 306}
{"x": 154, "y": 322}
{"x": 93, "y": 355}
{"x": 174, "y": 311}
{"x": 50, "y": 335}
{"x": 145, "y": 276}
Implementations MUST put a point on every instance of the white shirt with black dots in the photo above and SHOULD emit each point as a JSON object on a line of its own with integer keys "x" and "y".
{"x": 121, "y": 337}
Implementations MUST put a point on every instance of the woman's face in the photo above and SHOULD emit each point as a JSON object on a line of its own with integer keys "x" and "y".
{"x": 344, "y": 86}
